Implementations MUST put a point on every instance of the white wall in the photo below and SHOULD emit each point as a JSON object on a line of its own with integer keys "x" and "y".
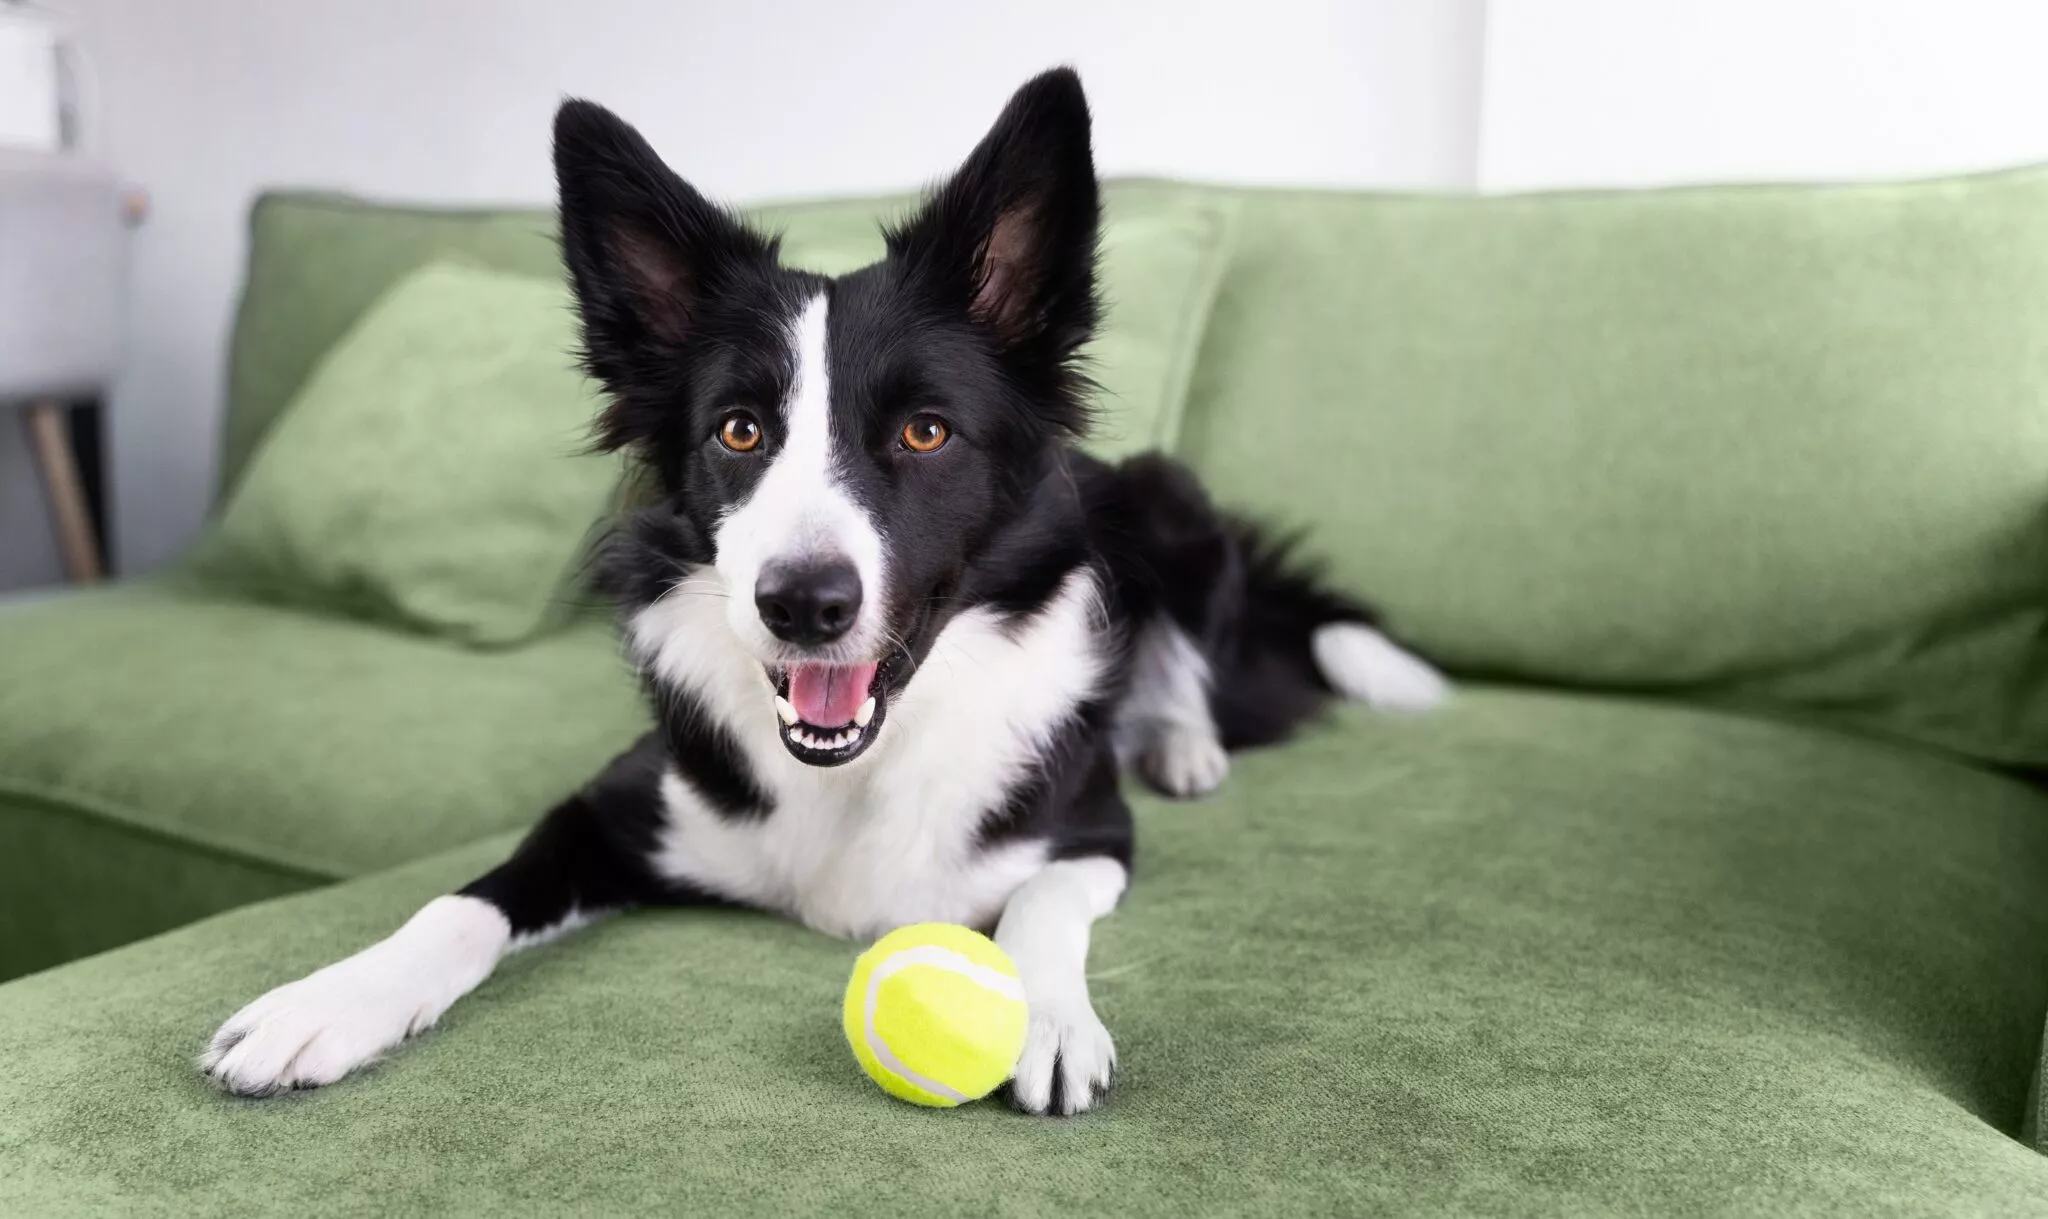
{"x": 1598, "y": 92}
{"x": 206, "y": 101}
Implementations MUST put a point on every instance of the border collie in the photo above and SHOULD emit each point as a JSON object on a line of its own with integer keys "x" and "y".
{"x": 901, "y": 638}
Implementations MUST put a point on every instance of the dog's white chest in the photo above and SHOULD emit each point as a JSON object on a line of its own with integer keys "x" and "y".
{"x": 899, "y": 835}
{"x": 854, "y": 868}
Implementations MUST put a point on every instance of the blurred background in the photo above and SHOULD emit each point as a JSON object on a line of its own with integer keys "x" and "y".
{"x": 187, "y": 108}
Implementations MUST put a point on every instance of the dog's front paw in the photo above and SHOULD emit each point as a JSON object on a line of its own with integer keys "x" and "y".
{"x": 1185, "y": 762}
{"x": 326, "y": 1024}
{"x": 315, "y": 1030}
{"x": 1067, "y": 1065}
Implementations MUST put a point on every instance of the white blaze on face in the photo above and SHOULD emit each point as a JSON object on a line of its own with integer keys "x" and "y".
{"x": 800, "y": 512}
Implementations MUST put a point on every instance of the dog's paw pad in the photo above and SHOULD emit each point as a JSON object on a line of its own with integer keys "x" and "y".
{"x": 1361, "y": 663}
{"x": 1185, "y": 762}
{"x": 1067, "y": 1065}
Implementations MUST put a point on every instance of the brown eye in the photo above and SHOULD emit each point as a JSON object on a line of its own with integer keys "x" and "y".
{"x": 740, "y": 433}
{"x": 925, "y": 434}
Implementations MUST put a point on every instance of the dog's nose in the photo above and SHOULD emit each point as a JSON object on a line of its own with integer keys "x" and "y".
{"x": 808, "y": 603}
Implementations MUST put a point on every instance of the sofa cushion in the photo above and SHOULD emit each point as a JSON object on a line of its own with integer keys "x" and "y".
{"x": 1779, "y": 446}
{"x": 434, "y": 472}
{"x": 165, "y": 753}
{"x": 317, "y": 262}
{"x": 1534, "y": 954}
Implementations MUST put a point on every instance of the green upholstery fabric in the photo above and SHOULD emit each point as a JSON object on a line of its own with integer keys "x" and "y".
{"x": 78, "y": 877}
{"x": 166, "y": 753}
{"x": 318, "y": 262}
{"x": 1536, "y": 954}
{"x": 1774, "y": 446}
{"x": 434, "y": 472}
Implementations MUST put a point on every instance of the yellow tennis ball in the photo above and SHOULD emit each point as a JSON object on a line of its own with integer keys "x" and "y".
{"x": 935, "y": 1014}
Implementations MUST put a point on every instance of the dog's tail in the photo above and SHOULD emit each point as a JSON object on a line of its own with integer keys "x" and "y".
{"x": 1349, "y": 651}
{"x": 1359, "y": 661}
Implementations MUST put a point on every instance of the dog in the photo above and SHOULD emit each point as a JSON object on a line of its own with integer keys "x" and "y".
{"x": 900, "y": 637}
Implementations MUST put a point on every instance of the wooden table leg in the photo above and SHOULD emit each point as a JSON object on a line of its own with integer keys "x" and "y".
{"x": 49, "y": 440}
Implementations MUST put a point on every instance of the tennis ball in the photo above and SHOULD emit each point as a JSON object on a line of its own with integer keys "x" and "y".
{"x": 935, "y": 1014}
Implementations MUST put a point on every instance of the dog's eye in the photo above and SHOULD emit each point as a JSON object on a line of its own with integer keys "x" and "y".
{"x": 740, "y": 433}
{"x": 925, "y": 434}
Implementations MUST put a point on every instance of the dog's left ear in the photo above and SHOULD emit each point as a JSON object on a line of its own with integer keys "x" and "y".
{"x": 1010, "y": 237}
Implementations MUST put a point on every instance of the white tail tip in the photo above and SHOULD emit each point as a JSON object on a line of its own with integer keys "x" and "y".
{"x": 1365, "y": 665}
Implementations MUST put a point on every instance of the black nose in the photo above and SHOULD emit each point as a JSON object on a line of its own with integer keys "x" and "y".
{"x": 808, "y": 603}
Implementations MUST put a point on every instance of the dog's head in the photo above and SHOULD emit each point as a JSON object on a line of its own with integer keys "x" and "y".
{"x": 842, "y": 453}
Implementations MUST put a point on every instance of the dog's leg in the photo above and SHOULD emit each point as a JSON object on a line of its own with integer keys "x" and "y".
{"x": 1164, "y": 725}
{"x": 585, "y": 858}
{"x": 1176, "y": 571}
{"x": 1068, "y": 1057}
{"x": 328, "y": 1023}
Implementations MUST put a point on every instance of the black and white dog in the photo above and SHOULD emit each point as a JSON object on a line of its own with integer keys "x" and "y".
{"x": 900, "y": 637}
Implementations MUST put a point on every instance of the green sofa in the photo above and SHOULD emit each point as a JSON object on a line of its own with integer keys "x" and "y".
{"x": 1721, "y": 886}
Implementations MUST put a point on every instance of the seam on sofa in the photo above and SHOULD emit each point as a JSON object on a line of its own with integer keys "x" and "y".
{"x": 109, "y": 813}
{"x": 1192, "y": 326}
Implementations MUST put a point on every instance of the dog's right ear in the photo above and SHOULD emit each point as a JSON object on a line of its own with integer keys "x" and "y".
{"x": 643, "y": 248}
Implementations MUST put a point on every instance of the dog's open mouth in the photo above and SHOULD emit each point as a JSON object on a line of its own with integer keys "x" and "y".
{"x": 829, "y": 713}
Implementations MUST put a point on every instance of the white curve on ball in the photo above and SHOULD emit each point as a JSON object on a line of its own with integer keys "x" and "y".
{"x": 938, "y": 958}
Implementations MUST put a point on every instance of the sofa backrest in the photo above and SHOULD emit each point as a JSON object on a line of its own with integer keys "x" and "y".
{"x": 1780, "y": 446}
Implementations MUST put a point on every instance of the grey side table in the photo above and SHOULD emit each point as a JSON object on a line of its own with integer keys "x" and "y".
{"x": 63, "y": 260}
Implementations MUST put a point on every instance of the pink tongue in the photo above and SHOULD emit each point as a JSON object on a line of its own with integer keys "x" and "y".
{"x": 826, "y": 696}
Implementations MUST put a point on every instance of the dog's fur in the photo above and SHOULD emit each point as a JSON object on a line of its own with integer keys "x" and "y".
{"x": 1024, "y": 621}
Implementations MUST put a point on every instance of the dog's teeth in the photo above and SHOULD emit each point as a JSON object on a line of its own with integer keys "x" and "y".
{"x": 785, "y": 710}
{"x": 866, "y": 713}
{"x": 821, "y": 741}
